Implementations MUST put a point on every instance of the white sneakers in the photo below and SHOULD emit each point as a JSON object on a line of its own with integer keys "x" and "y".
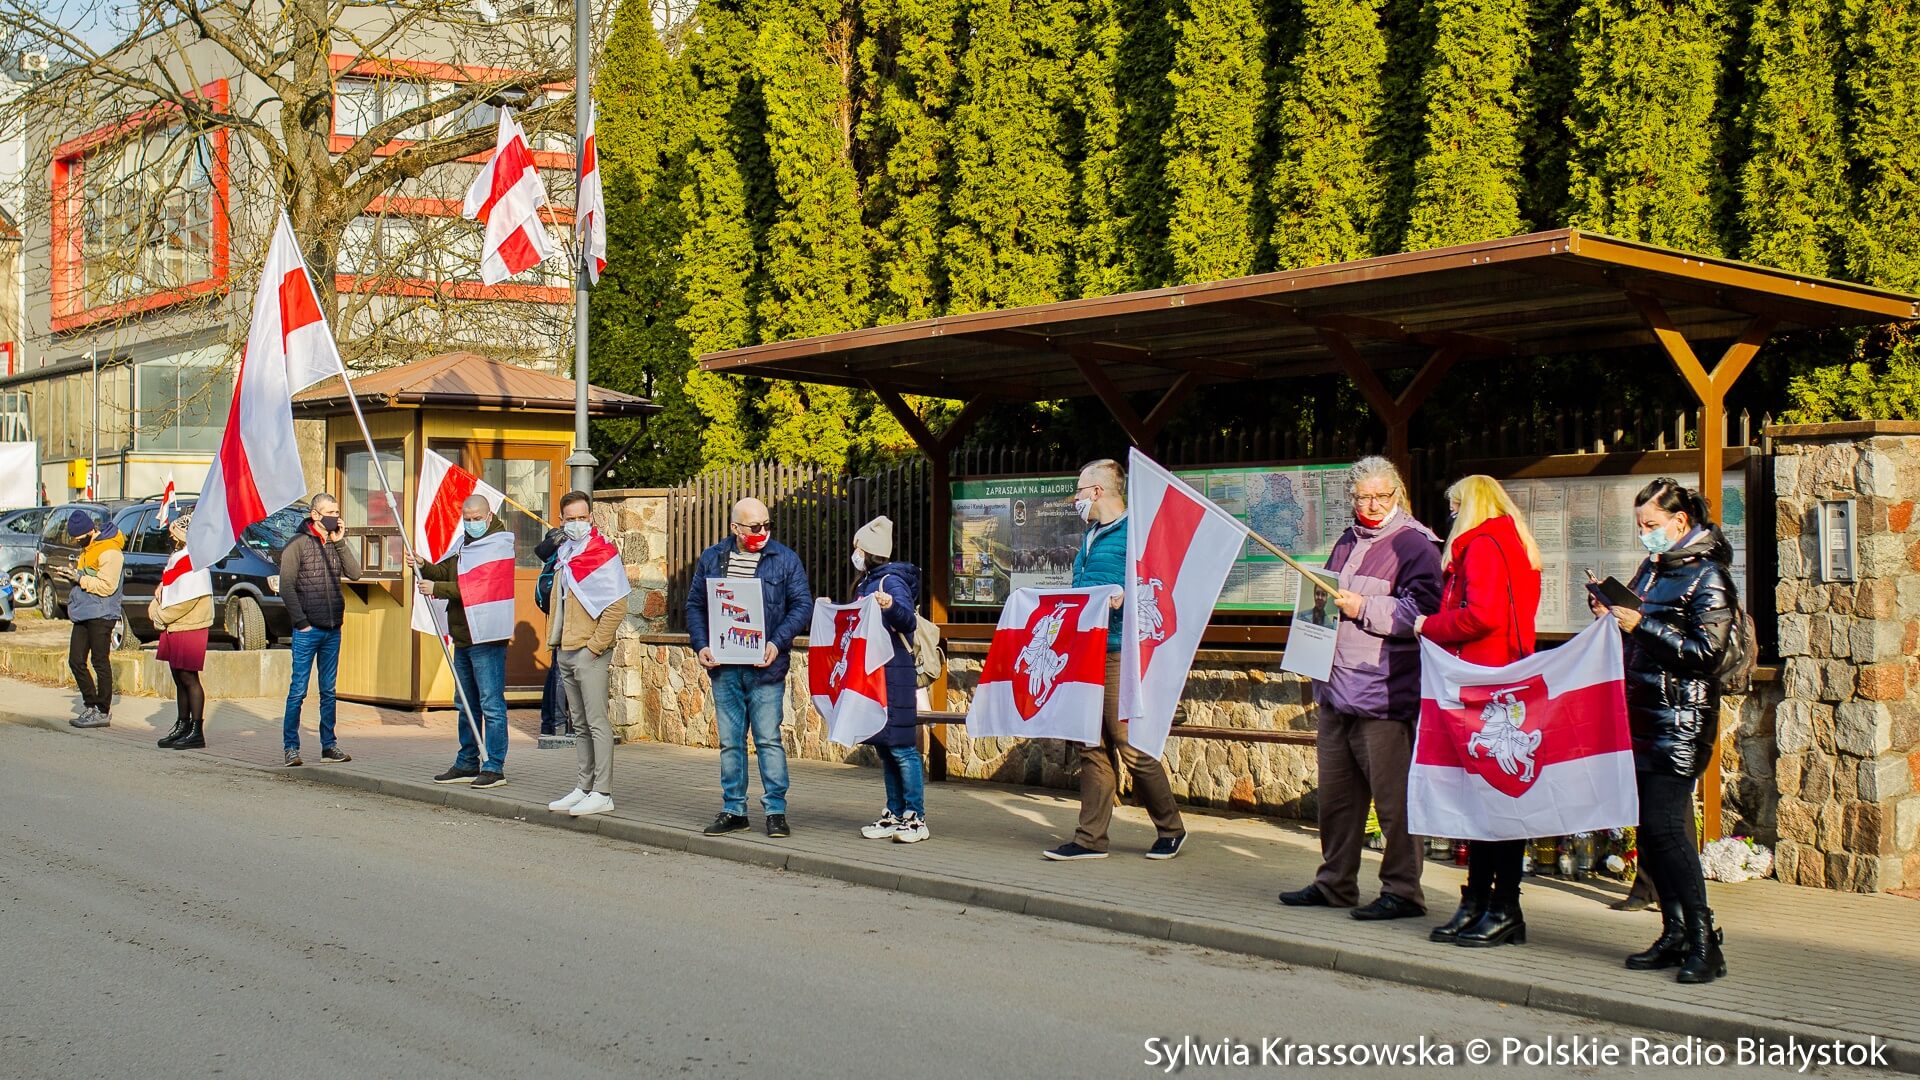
{"x": 883, "y": 829}
{"x": 910, "y": 829}
{"x": 597, "y": 803}
{"x": 567, "y": 802}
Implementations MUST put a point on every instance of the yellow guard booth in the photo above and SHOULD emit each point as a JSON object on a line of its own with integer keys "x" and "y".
{"x": 509, "y": 425}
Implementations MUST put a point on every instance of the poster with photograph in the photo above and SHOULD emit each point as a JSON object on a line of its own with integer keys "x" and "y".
{"x": 736, "y": 620}
{"x": 1316, "y": 623}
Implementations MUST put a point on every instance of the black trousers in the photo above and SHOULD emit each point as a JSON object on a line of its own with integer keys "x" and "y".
{"x": 1667, "y": 852}
{"x": 1493, "y": 867}
{"x": 92, "y": 639}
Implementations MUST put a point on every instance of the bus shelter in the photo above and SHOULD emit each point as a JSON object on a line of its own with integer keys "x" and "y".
{"x": 509, "y": 425}
{"x": 1142, "y": 354}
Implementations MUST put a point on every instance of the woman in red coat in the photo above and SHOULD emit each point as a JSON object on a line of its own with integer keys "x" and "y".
{"x": 1487, "y": 605}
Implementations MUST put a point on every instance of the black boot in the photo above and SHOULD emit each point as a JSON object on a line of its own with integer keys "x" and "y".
{"x": 1703, "y": 962}
{"x": 1502, "y": 924}
{"x": 195, "y": 738}
{"x": 1473, "y": 904}
{"x": 1670, "y": 947}
{"x": 179, "y": 729}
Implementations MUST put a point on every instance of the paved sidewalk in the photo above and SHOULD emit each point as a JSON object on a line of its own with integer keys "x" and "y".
{"x": 1804, "y": 962}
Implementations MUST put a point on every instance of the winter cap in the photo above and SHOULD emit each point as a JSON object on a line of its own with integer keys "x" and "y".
{"x": 876, "y": 537}
{"x": 80, "y": 523}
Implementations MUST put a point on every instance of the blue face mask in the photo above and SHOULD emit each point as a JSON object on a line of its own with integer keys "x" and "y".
{"x": 475, "y": 529}
{"x": 1656, "y": 541}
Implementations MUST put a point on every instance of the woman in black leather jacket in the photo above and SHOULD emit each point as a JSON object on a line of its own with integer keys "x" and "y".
{"x": 1674, "y": 645}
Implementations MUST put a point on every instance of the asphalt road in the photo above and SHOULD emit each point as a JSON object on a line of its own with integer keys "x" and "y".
{"x": 164, "y": 915}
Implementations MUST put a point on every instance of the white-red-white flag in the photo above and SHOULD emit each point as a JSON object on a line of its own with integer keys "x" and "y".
{"x": 847, "y": 654}
{"x": 486, "y": 587}
{"x": 180, "y": 582}
{"x": 1539, "y": 747}
{"x": 289, "y": 347}
{"x": 166, "y": 501}
{"x": 437, "y": 499}
{"x": 591, "y": 572}
{"x": 590, "y": 205}
{"x": 1180, "y": 548}
{"x": 1045, "y": 675}
{"x": 507, "y": 197}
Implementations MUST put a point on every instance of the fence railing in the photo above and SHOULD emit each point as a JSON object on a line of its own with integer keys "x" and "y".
{"x": 816, "y": 512}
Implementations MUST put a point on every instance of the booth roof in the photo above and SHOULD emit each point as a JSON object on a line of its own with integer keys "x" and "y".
{"x": 465, "y": 380}
{"x": 1540, "y": 294}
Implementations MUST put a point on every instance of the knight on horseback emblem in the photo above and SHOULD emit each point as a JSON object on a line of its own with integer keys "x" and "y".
{"x": 1153, "y": 626}
{"x": 1500, "y": 735}
{"x": 1039, "y": 660}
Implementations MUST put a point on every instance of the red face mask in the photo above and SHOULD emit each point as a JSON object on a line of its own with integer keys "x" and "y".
{"x": 753, "y": 542}
{"x": 1371, "y": 522}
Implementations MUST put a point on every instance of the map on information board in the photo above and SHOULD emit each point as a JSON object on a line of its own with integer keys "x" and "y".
{"x": 1586, "y": 523}
{"x": 1022, "y": 532}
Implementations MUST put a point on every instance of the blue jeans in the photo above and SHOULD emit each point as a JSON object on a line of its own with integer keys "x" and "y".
{"x": 740, "y": 700}
{"x": 308, "y": 645}
{"x": 482, "y": 671}
{"x": 906, "y": 779}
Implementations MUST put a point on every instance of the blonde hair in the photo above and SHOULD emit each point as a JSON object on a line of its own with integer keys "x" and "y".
{"x": 1481, "y": 499}
{"x": 1379, "y": 468}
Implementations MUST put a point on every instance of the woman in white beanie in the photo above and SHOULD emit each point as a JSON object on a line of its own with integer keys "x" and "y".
{"x": 897, "y": 585}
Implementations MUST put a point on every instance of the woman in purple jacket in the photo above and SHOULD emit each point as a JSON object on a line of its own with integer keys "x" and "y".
{"x": 1389, "y": 568}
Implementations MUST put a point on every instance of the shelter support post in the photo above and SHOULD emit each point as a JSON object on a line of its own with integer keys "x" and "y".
{"x": 939, "y": 450}
{"x": 1140, "y": 431}
{"x": 1710, "y": 389}
{"x": 1395, "y": 410}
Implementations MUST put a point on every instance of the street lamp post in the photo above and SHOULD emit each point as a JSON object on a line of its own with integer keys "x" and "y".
{"x": 581, "y": 461}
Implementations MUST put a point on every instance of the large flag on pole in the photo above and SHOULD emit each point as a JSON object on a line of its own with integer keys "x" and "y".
{"x": 590, "y": 205}
{"x": 1539, "y": 747}
{"x": 437, "y": 499}
{"x": 1180, "y": 547}
{"x": 486, "y": 586}
{"x": 847, "y": 654}
{"x": 1045, "y": 675}
{"x": 289, "y": 347}
{"x": 591, "y": 572}
{"x": 166, "y": 502}
{"x": 507, "y": 197}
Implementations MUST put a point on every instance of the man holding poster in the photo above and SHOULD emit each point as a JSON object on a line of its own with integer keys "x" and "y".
{"x": 749, "y": 693}
{"x": 1101, "y": 500}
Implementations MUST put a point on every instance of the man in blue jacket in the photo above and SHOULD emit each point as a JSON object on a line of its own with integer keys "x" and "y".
{"x": 1101, "y": 500}
{"x": 752, "y": 695}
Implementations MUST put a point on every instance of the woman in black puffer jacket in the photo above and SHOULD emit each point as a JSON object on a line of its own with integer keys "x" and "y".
{"x": 1674, "y": 645}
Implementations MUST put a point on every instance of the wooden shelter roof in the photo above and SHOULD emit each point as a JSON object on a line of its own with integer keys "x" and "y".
{"x": 470, "y": 381}
{"x": 1540, "y": 294}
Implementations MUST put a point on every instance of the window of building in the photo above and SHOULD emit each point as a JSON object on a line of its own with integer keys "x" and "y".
{"x": 529, "y": 483}
{"x": 184, "y": 400}
{"x": 147, "y": 217}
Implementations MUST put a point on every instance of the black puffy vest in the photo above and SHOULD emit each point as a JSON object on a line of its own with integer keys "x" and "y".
{"x": 1686, "y": 614}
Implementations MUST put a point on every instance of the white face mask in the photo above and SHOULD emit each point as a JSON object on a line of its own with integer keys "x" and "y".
{"x": 860, "y": 561}
{"x": 1084, "y": 507}
{"x": 576, "y": 530}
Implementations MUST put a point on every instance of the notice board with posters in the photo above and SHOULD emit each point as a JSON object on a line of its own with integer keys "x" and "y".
{"x": 1021, "y": 531}
{"x": 1587, "y": 521}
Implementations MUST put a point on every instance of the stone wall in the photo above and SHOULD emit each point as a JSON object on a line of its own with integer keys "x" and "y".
{"x": 1848, "y": 730}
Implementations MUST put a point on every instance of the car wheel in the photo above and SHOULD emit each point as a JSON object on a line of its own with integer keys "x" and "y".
{"x": 25, "y": 588}
{"x": 49, "y": 604}
{"x": 246, "y": 623}
{"x": 122, "y": 636}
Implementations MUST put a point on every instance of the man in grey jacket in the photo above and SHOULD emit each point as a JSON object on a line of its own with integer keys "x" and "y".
{"x": 311, "y": 569}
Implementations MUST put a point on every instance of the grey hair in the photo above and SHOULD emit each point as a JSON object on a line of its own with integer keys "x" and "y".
{"x": 1375, "y": 467}
{"x": 323, "y": 496}
{"x": 1108, "y": 474}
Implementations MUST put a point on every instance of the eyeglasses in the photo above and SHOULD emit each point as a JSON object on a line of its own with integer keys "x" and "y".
{"x": 1086, "y": 487}
{"x": 1373, "y": 500}
{"x": 759, "y": 528}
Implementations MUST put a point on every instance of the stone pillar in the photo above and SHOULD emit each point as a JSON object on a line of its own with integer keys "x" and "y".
{"x": 1848, "y": 731}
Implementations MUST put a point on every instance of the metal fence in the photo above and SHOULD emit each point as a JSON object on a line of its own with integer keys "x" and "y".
{"x": 816, "y": 512}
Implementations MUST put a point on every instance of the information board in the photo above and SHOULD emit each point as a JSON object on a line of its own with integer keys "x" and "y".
{"x": 1022, "y": 532}
{"x": 1586, "y": 522}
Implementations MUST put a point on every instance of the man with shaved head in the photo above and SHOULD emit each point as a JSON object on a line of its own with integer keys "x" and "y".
{"x": 481, "y": 667}
{"x": 311, "y": 568}
{"x": 752, "y": 696}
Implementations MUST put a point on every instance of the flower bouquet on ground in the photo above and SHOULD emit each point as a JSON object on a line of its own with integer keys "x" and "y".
{"x": 1736, "y": 858}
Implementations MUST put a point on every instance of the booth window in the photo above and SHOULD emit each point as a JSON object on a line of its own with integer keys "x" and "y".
{"x": 363, "y": 508}
{"x": 529, "y": 483}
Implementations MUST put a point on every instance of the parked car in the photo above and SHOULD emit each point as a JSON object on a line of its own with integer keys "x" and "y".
{"x": 247, "y": 607}
{"x": 19, "y": 542}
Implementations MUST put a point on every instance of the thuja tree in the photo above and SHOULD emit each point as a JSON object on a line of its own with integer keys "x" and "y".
{"x": 1467, "y": 180}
